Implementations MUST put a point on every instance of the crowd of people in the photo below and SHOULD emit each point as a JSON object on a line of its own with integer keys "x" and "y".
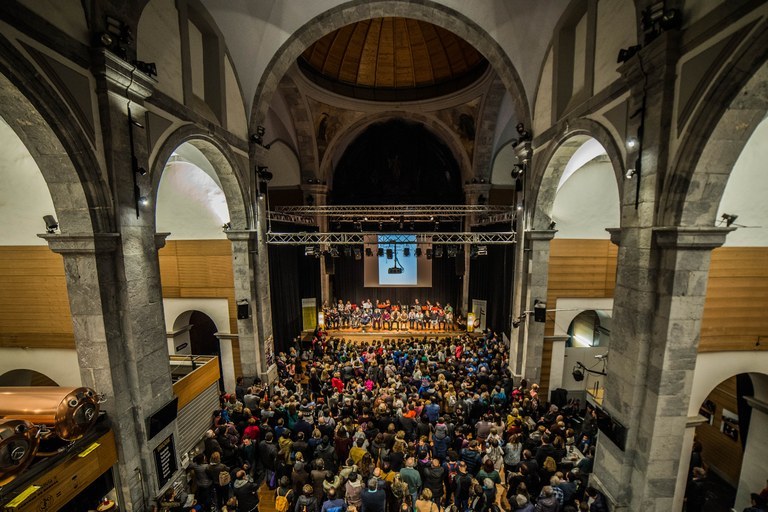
{"x": 392, "y": 426}
{"x": 385, "y": 315}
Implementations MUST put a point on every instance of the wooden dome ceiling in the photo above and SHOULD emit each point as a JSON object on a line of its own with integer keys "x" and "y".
{"x": 392, "y": 58}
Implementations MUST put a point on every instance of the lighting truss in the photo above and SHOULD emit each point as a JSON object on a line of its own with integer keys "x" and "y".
{"x": 497, "y": 238}
{"x": 422, "y": 212}
{"x": 290, "y": 218}
{"x": 498, "y": 218}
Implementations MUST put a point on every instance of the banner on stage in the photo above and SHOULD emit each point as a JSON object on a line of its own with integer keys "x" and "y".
{"x": 478, "y": 308}
{"x": 309, "y": 314}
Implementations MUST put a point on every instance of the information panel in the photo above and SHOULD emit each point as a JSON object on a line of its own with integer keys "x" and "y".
{"x": 165, "y": 461}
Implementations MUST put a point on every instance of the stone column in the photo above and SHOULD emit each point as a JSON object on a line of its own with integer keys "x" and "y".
{"x": 472, "y": 193}
{"x": 660, "y": 291}
{"x": 319, "y": 193}
{"x": 263, "y": 305}
{"x": 121, "y": 92}
{"x": 537, "y": 243}
{"x": 682, "y": 470}
{"x": 111, "y": 361}
{"x": 244, "y": 272}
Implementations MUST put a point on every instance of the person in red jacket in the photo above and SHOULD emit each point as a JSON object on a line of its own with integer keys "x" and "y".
{"x": 337, "y": 383}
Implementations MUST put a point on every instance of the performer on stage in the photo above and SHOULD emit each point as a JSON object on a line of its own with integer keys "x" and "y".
{"x": 402, "y": 318}
{"x": 376, "y": 319}
{"x": 412, "y": 318}
{"x": 386, "y": 319}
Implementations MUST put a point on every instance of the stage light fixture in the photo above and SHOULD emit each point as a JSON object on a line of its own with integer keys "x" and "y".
{"x": 406, "y": 251}
{"x": 334, "y": 252}
{"x": 632, "y": 142}
{"x": 452, "y": 251}
{"x": 729, "y": 218}
{"x": 577, "y": 374}
{"x": 51, "y": 225}
{"x": 482, "y": 250}
{"x": 369, "y": 252}
{"x": 347, "y": 251}
{"x": 429, "y": 254}
{"x": 390, "y": 254}
{"x": 630, "y": 174}
{"x": 418, "y": 252}
{"x": 380, "y": 252}
{"x": 358, "y": 253}
{"x": 517, "y": 171}
{"x": 552, "y": 225}
{"x": 473, "y": 252}
{"x": 438, "y": 252}
{"x": 143, "y": 200}
{"x": 227, "y": 226}
{"x": 309, "y": 250}
{"x": 627, "y": 53}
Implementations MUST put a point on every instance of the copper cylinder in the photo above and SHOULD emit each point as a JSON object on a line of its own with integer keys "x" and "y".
{"x": 69, "y": 412}
{"x": 18, "y": 445}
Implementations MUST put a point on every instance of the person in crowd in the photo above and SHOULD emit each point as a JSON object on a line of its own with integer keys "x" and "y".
{"x": 425, "y": 503}
{"x": 246, "y": 492}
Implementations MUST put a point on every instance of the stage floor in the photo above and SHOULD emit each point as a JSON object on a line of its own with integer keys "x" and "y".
{"x": 369, "y": 335}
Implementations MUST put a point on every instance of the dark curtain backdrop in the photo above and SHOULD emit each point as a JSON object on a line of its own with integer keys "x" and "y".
{"x": 292, "y": 277}
{"x": 490, "y": 279}
{"x": 347, "y": 284}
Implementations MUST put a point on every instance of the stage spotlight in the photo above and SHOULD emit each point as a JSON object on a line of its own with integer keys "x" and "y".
{"x": 630, "y": 174}
{"x": 51, "y": 225}
{"x": 482, "y": 250}
{"x": 577, "y": 374}
{"x": 418, "y": 252}
{"x": 429, "y": 254}
{"x": 517, "y": 171}
{"x": 627, "y": 53}
{"x": 334, "y": 252}
{"x": 347, "y": 251}
{"x": 452, "y": 251}
{"x": 438, "y": 251}
{"x": 390, "y": 255}
{"x": 632, "y": 142}
{"x": 309, "y": 250}
{"x": 552, "y": 225}
{"x": 729, "y": 218}
{"x": 473, "y": 252}
{"x": 380, "y": 251}
{"x": 358, "y": 253}
{"x": 406, "y": 251}
{"x": 368, "y": 252}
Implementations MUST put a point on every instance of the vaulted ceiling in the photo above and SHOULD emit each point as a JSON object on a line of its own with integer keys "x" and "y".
{"x": 390, "y": 57}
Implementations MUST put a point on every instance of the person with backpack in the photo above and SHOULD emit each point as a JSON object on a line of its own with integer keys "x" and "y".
{"x": 284, "y": 495}
{"x": 246, "y": 493}
{"x": 451, "y": 467}
{"x": 219, "y": 474}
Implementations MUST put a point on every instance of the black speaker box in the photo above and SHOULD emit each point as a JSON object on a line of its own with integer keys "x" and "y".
{"x": 242, "y": 311}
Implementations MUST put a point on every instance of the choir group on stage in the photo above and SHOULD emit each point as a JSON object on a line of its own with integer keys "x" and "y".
{"x": 390, "y": 317}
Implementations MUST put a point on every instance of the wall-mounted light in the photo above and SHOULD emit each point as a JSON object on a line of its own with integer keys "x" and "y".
{"x": 630, "y": 174}
{"x": 51, "y": 224}
{"x": 728, "y": 218}
{"x": 627, "y": 53}
{"x": 632, "y": 142}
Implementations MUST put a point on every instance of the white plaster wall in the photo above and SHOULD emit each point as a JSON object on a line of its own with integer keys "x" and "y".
{"x": 584, "y": 355}
{"x": 284, "y": 165}
{"x": 502, "y": 166}
{"x": 189, "y": 204}
{"x": 579, "y": 54}
{"x": 587, "y": 203}
{"x": 24, "y": 196}
{"x": 216, "y": 309}
{"x": 754, "y": 465}
{"x": 159, "y": 41}
{"x": 67, "y": 15}
{"x": 587, "y": 152}
{"x": 196, "y": 60}
{"x": 57, "y": 363}
{"x": 236, "y": 121}
{"x": 542, "y": 110}
{"x": 505, "y": 123}
{"x": 612, "y": 14}
{"x": 745, "y": 193}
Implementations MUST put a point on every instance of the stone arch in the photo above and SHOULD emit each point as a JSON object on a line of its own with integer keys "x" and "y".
{"x": 302, "y": 123}
{"x": 712, "y": 368}
{"x": 232, "y": 177}
{"x": 26, "y": 377}
{"x": 427, "y": 10}
{"x": 444, "y": 133}
{"x": 35, "y": 111}
{"x": 486, "y": 128}
{"x": 718, "y": 131}
{"x": 549, "y": 166}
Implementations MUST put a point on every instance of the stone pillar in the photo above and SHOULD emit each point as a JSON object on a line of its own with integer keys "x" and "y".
{"x": 537, "y": 243}
{"x": 472, "y": 193}
{"x": 130, "y": 370}
{"x": 243, "y": 269}
{"x": 319, "y": 193}
{"x": 659, "y": 300}
{"x": 121, "y": 92}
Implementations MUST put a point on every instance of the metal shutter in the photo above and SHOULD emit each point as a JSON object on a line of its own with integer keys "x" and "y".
{"x": 195, "y": 418}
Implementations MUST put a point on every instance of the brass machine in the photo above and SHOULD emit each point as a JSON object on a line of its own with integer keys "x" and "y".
{"x": 19, "y": 441}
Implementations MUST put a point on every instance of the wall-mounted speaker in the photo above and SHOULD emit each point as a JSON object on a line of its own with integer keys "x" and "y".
{"x": 242, "y": 310}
